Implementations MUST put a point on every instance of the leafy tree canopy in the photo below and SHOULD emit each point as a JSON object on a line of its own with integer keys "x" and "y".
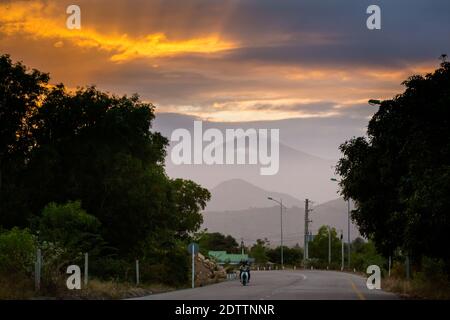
{"x": 93, "y": 147}
{"x": 399, "y": 175}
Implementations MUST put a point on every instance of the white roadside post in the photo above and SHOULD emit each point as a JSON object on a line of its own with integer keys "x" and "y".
{"x": 329, "y": 246}
{"x": 137, "y": 272}
{"x": 390, "y": 261}
{"x": 193, "y": 269}
{"x": 86, "y": 269}
{"x": 193, "y": 249}
{"x": 37, "y": 270}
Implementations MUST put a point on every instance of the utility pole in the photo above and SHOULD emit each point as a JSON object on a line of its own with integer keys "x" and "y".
{"x": 342, "y": 250}
{"x": 348, "y": 223}
{"x": 348, "y": 232}
{"x": 281, "y": 223}
{"x": 307, "y": 221}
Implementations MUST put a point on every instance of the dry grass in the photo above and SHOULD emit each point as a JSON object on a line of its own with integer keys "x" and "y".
{"x": 117, "y": 290}
{"x": 417, "y": 288}
{"x": 13, "y": 289}
{"x": 111, "y": 290}
{"x": 16, "y": 289}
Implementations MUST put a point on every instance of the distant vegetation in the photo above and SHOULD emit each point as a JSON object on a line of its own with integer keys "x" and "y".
{"x": 217, "y": 242}
{"x": 363, "y": 252}
{"x": 82, "y": 172}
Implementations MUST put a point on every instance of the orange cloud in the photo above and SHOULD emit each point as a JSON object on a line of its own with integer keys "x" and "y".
{"x": 37, "y": 20}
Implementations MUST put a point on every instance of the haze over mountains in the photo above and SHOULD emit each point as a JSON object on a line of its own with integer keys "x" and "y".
{"x": 239, "y": 204}
{"x": 242, "y": 210}
{"x": 238, "y": 194}
{"x": 300, "y": 174}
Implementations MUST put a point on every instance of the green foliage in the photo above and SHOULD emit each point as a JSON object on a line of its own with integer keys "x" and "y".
{"x": 98, "y": 148}
{"x": 167, "y": 265}
{"x": 58, "y": 146}
{"x": 259, "y": 252}
{"x": 365, "y": 254}
{"x": 113, "y": 269}
{"x": 70, "y": 226}
{"x": 433, "y": 270}
{"x": 400, "y": 176}
{"x": 291, "y": 256}
{"x": 189, "y": 200}
{"x": 17, "y": 252}
{"x": 20, "y": 92}
{"x": 217, "y": 242}
{"x": 318, "y": 248}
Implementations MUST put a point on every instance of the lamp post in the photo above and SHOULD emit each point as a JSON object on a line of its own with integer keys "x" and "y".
{"x": 348, "y": 223}
{"x": 329, "y": 246}
{"x": 281, "y": 226}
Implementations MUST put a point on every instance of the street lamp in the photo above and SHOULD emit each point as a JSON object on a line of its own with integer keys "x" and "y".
{"x": 348, "y": 223}
{"x": 374, "y": 102}
{"x": 281, "y": 226}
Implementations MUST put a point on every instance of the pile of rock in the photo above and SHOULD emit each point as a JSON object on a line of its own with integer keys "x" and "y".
{"x": 207, "y": 271}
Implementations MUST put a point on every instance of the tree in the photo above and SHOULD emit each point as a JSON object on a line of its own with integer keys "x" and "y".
{"x": 291, "y": 256}
{"x": 71, "y": 227}
{"x": 365, "y": 254}
{"x": 218, "y": 242}
{"x": 318, "y": 247}
{"x": 98, "y": 149}
{"x": 17, "y": 252}
{"x": 399, "y": 176}
{"x": 20, "y": 93}
{"x": 259, "y": 252}
{"x": 189, "y": 200}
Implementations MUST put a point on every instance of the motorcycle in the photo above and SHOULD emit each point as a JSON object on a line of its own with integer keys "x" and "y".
{"x": 244, "y": 278}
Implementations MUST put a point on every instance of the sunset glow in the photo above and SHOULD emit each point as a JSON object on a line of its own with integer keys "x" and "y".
{"x": 215, "y": 60}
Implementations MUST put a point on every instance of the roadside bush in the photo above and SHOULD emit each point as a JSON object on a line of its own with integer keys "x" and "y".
{"x": 112, "y": 269}
{"x": 172, "y": 269}
{"x": 176, "y": 267}
{"x": 17, "y": 252}
{"x": 434, "y": 270}
{"x": 398, "y": 270}
{"x": 71, "y": 227}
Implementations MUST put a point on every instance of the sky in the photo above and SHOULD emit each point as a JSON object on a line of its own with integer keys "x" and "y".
{"x": 233, "y": 60}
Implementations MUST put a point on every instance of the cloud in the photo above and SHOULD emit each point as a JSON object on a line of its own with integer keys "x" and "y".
{"x": 38, "y": 20}
{"x": 233, "y": 60}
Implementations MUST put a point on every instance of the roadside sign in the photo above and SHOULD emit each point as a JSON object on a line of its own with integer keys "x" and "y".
{"x": 193, "y": 248}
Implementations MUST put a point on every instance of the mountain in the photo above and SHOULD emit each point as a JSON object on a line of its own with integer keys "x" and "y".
{"x": 301, "y": 175}
{"x": 319, "y": 136}
{"x": 333, "y": 213}
{"x": 261, "y": 222}
{"x": 257, "y": 223}
{"x": 237, "y": 194}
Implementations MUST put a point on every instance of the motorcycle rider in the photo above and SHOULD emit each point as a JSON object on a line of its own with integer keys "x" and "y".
{"x": 244, "y": 268}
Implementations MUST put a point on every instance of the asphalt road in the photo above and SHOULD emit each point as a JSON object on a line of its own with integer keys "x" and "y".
{"x": 284, "y": 285}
